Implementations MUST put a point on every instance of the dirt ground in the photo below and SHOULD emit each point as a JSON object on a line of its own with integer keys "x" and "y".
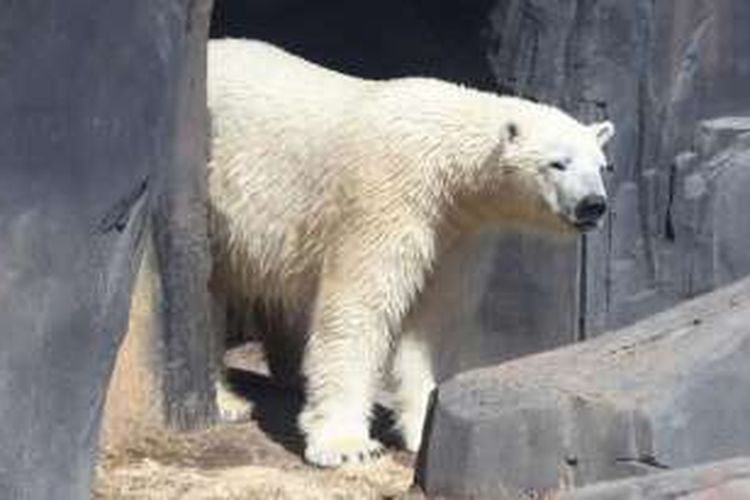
{"x": 258, "y": 459}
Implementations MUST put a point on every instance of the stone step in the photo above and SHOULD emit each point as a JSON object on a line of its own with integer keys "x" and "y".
{"x": 670, "y": 391}
{"x": 724, "y": 480}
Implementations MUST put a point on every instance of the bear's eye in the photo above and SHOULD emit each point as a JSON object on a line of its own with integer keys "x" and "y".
{"x": 558, "y": 165}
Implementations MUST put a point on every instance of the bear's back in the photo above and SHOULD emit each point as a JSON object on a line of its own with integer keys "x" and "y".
{"x": 271, "y": 88}
{"x": 297, "y": 147}
{"x": 274, "y": 117}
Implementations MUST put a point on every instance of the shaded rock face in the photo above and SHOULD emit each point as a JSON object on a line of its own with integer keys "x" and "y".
{"x": 667, "y": 392}
{"x": 672, "y": 75}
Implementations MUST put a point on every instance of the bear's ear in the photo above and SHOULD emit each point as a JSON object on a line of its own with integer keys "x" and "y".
{"x": 603, "y": 131}
{"x": 511, "y": 131}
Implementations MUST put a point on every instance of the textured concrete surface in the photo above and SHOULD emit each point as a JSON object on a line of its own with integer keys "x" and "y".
{"x": 725, "y": 480}
{"x": 88, "y": 97}
{"x": 667, "y": 392}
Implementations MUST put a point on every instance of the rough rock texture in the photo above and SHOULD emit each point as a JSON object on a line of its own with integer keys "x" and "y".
{"x": 673, "y": 76}
{"x": 88, "y": 96}
{"x": 667, "y": 392}
{"x": 725, "y": 480}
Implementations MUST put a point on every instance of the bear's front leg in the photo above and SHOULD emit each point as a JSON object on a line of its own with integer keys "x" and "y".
{"x": 366, "y": 288}
{"x": 345, "y": 352}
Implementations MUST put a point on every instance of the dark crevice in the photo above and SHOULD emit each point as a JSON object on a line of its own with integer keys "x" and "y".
{"x": 647, "y": 460}
{"x": 572, "y": 66}
{"x": 669, "y": 233}
{"x": 582, "y": 333}
{"x": 609, "y": 262}
{"x": 644, "y": 104}
{"x": 117, "y": 217}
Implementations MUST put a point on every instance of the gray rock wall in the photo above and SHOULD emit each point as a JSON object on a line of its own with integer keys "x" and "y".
{"x": 89, "y": 96}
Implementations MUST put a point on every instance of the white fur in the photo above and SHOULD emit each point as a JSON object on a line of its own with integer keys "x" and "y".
{"x": 336, "y": 197}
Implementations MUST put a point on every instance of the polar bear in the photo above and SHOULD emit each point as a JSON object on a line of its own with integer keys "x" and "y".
{"x": 335, "y": 197}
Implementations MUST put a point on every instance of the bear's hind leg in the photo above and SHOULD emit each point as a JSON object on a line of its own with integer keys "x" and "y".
{"x": 413, "y": 374}
{"x": 231, "y": 407}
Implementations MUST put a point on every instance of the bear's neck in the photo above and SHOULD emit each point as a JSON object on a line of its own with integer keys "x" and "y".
{"x": 470, "y": 212}
{"x": 478, "y": 193}
{"x": 458, "y": 182}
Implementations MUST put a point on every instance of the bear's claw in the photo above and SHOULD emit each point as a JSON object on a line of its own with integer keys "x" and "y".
{"x": 345, "y": 450}
{"x": 231, "y": 407}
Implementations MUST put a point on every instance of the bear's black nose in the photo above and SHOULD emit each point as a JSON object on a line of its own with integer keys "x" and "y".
{"x": 590, "y": 209}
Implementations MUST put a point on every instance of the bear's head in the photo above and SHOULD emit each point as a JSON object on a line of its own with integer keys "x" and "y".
{"x": 554, "y": 166}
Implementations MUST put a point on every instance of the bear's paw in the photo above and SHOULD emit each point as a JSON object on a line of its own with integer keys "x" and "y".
{"x": 231, "y": 407}
{"x": 343, "y": 450}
